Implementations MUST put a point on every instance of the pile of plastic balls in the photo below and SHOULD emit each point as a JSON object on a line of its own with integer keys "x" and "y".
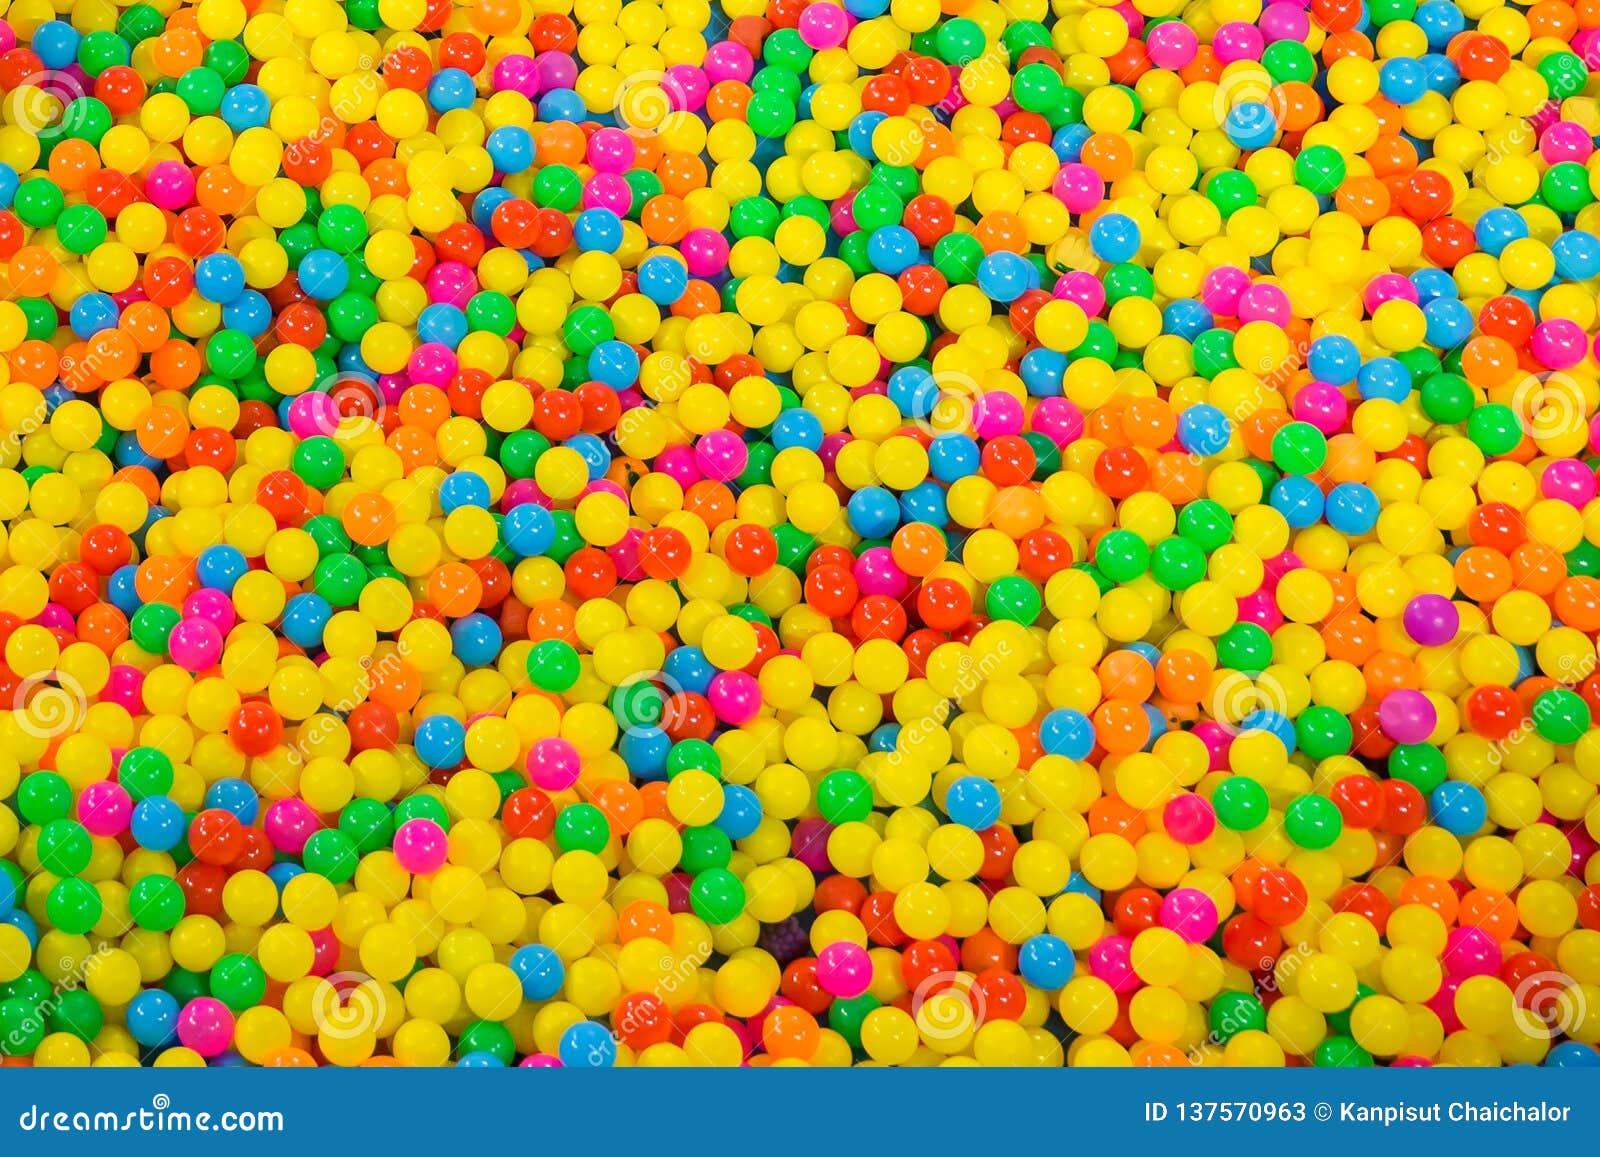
{"x": 897, "y": 532}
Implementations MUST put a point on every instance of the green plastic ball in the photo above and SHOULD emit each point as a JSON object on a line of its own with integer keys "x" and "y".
{"x": 553, "y": 665}
{"x": 1241, "y": 803}
{"x": 717, "y": 896}
{"x": 844, "y": 797}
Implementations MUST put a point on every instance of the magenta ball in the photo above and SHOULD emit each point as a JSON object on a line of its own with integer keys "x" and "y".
{"x": 1111, "y": 960}
{"x": 1431, "y": 620}
{"x": 170, "y": 185}
{"x": 289, "y": 823}
{"x": 1471, "y": 952}
{"x": 1189, "y": 819}
{"x": 1190, "y": 913}
{"x": 1172, "y": 45}
{"x": 104, "y": 808}
{"x": 1407, "y": 716}
{"x": 421, "y": 846}
{"x": 553, "y": 764}
{"x": 1568, "y": 480}
{"x": 195, "y": 644}
{"x": 735, "y": 697}
{"x": 206, "y": 1026}
{"x": 844, "y": 969}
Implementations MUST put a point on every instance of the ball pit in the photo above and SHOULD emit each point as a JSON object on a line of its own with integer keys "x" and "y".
{"x": 896, "y": 532}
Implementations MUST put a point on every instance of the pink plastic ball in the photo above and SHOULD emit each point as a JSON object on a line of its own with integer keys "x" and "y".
{"x": 205, "y": 1025}
{"x": 1263, "y": 302}
{"x": 1407, "y": 716}
{"x": 553, "y": 764}
{"x": 1558, "y": 343}
{"x": 1221, "y": 289}
{"x": 875, "y": 573}
{"x": 735, "y": 697}
{"x": 313, "y": 413}
{"x": 1189, "y": 819}
{"x": 1111, "y": 960}
{"x": 104, "y": 808}
{"x": 195, "y": 644}
{"x": 1078, "y": 187}
{"x": 1190, "y": 913}
{"x": 1471, "y": 952}
{"x": 289, "y": 823}
{"x": 705, "y": 252}
{"x": 721, "y": 455}
{"x": 421, "y": 846}
{"x": 1084, "y": 290}
{"x": 1237, "y": 40}
{"x": 170, "y": 185}
{"x": 125, "y": 687}
{"x": 1172, "y": 45}
{"x": 824, "y": 25}
{"x": 1058, "y": 419}
{"x": 1570, "y": 481}
{"x": 844, "y": 969}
